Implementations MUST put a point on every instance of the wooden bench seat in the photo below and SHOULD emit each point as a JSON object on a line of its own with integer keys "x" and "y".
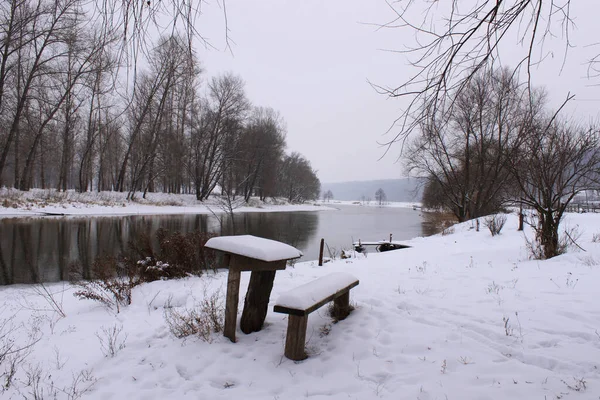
{"x": 298, "y": 303}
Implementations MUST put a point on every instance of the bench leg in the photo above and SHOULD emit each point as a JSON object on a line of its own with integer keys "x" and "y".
{"x": 296, "y": 337}
{"x": 256, "y": 303}
{"x": 231, "y": 303}
{"x": 341, "y": 307}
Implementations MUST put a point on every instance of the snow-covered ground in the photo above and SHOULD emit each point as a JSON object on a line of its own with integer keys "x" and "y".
{"x": 461, "y": 316}
{"x": 45, "y": 202}
{"x": 372, "y": 203}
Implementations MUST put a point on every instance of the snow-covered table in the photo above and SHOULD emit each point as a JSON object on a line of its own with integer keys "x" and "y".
{"x": 261, "y": 256}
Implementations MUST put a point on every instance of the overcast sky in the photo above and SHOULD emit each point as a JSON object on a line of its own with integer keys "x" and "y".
{"x": 311, "y": 60}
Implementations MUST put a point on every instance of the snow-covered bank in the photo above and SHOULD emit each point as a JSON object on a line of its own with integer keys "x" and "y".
{"x": 372, "y": 203}
{"x": 49, "y": 202}
{"x": 461, "y": 316}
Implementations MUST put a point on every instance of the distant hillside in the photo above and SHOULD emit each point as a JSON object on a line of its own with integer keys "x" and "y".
{"x": 395, "y": 189}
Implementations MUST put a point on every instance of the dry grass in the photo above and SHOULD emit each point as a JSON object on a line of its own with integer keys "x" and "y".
{"x": 339, "y": 313}
{"x": 438, "y": 222}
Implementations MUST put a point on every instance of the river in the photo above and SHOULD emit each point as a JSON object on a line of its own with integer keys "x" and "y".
{"x": 42, "y": 249}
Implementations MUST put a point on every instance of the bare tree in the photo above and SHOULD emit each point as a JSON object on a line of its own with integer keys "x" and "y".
{"x": 380, "y": 196}
{"x": 32, "y": 40}
{"x": 99, "y": 115}
{"x": 298, "y": 181}
{"x": 261, "y": 149}
{"x": 54, "y": 85}
{"x": 214, "y": 131}
{"x": 328, "y": 196}
{"x": 463, "y": 153}
{"x": 556, "y": 161}
{"x": 171, "y": 66}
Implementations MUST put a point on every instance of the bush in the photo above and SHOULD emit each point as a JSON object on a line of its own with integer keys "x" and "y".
{"x": 438, "y": 222}
{"x": 566, "y": 241}
{"x": 112, "y": 279}
{"x": 110, "y": 342}
{"x": 110, "y": 285}
{"x": 495, "y": 223}
{"x": 179, "y": 255}
{"x": 203, "y": 320}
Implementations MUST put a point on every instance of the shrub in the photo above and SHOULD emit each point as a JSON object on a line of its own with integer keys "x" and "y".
{"x": 438, "y": 221}
{"x": 110, "y": 342}
{"x": 110, "y": 285}
{"x": 203, "y": 320}
{"x": 495, "y": 223}
{"x": 448, "y": 231}
{"x": 567, "y": 240}
{"x": 112, "y": 279}
{"x": 179, "y": 255}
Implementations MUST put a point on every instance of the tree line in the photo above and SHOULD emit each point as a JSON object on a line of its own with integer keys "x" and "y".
{"x": 74, "y": 116}
{"x": 496, "y": 143}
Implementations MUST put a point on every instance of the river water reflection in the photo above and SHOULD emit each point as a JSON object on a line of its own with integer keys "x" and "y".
{"x": 42, "y": 248}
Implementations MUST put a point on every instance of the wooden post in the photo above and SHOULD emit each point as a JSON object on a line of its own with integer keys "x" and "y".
{"x": 321, "y": 252}
{"x": 390, "y": 238}
{"x": 231, "y": 303}
{"x": 295, "y": 338}
{"x": 257, "y": 301}
{"x": 341, "y": 306}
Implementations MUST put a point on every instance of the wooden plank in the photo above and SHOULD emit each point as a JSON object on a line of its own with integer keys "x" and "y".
{"x": 231, "y": 303}
{"x": 256, "y": 302}
{"x": 296, "y": 337}
{"x": 242, "y": 263}
{"x": 297, "y": 312}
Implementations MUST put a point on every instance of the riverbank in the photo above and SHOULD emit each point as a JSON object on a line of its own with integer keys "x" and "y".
{"x": 39, "y": 202}
{"x": 462, "y": 315}
{"x": 371, "y": 203}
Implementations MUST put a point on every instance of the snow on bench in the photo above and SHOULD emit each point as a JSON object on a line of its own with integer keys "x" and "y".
{"x": 254, "y": 247}
{"x": 306, "y": 298}
{"x": 303, "y": 300}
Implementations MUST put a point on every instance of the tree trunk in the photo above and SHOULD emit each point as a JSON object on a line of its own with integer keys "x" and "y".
{"x": 17, "y": 160}
{"x": 548, "y": 235}
{"x": 521, "y": 218}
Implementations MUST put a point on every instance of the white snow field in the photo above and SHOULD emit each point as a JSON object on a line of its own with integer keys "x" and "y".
{"x": 459, "y": 317}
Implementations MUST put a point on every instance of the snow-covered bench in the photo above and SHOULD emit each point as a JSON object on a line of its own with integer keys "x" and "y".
{"x": 303, "y": 300}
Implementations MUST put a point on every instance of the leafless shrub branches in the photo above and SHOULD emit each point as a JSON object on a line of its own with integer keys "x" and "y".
{"x": 111, "y": 340}
{"x": 51, "y": 298}
{"x": 110, "y": 286}
{"x": 203, "y": 320}
{"x": 16, "y": 344}
{"x": 495, "y": 223}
